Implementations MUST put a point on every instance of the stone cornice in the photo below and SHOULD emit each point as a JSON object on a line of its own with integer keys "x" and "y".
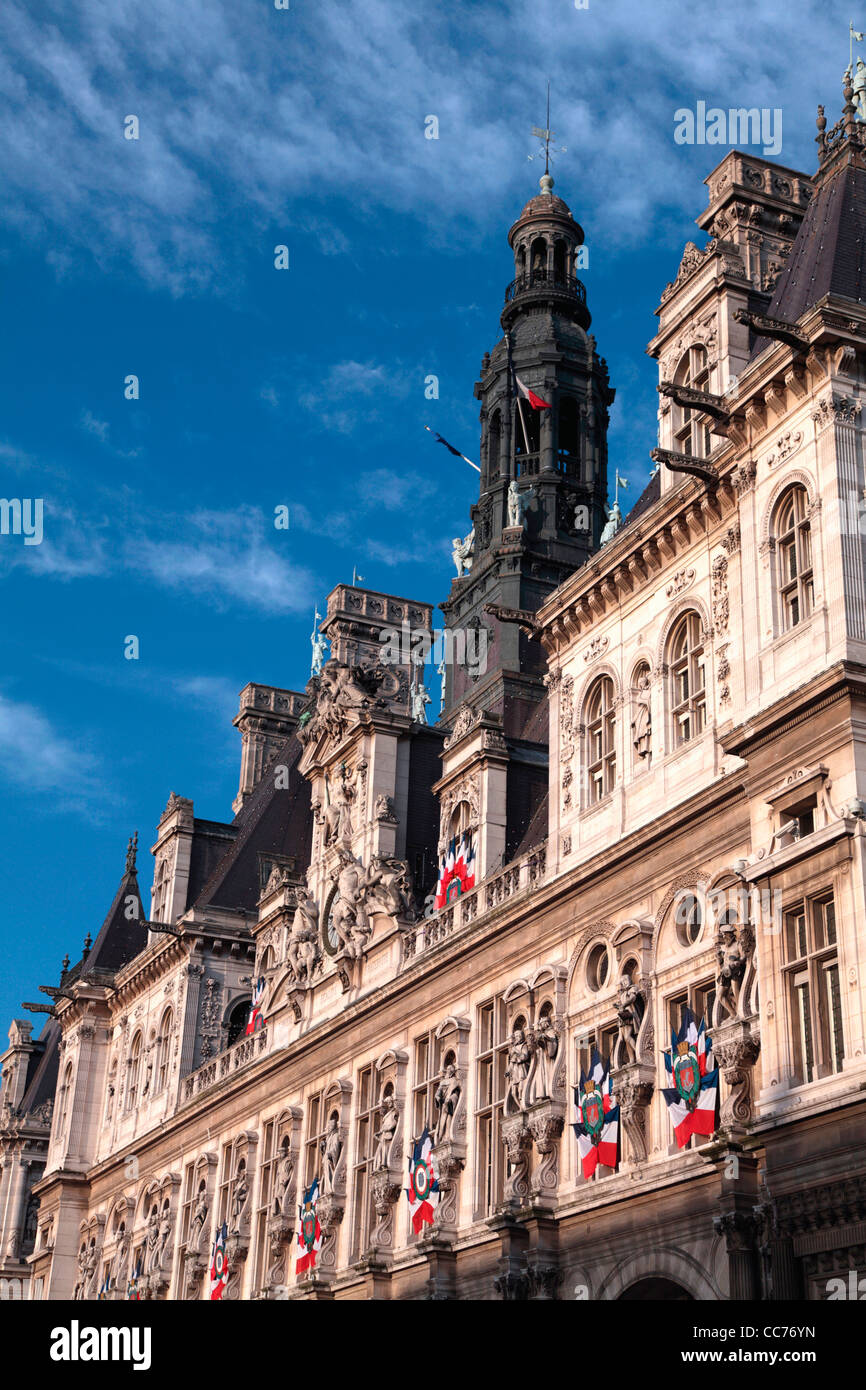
{"x": 787, "y": 713}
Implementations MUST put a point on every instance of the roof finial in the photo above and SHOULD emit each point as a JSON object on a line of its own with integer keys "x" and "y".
{"x": 131, "y": 851}
{"x": 545, "y": 135}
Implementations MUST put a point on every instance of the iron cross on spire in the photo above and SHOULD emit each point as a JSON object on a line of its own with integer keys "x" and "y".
{"x": 546, "y": 135}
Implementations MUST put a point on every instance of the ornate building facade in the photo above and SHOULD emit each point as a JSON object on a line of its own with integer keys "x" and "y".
{"x": 662, "y": 778}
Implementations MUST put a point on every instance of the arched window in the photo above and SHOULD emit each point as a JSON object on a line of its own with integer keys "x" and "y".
{"x": 568, "y": 441}
{"x": 494, "y": 444}
{"x": 600, "y": 739}
{"x": 164, "y": 1050}
{"x": 691, "y": 433}
{"x": 560, "y": 260}
{"x": 237, "y": 1020}
{"x": 793, "y": 537}
{"x": 687, "y": 679}
{"x": 134, "y": 1072}
{"x": 65, "y": 1097}
{"x": 538, "y": 259}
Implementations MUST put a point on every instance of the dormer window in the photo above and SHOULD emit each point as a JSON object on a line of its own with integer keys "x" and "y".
{"x": 691, "y": 431}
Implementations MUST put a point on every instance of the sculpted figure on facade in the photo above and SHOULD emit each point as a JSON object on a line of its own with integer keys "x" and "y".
{"x": 517, "y": 1071}
{"x": 86, "y": 1270}
{"x": 461, "y": 551}
{"x": 331, "y": 1148}
{"x": 732, "y": 958}
{"x": 641, "y": 727}
{"x": 384, "y": 1136}
{"x": 198, "y": 1223}
{"x": 517, "y": 503}
{"x": 629, "y": 1012}
{"x": 240, "y": 1198}
{"x": 282, "y": 1205}
{"x": 420, "y": 700}
{"x": 303, "y": 951}
{"x": 387, "y": 886}
{"x": 338, "y": 811}
{"x": 446, "y": 1100}
{"x": 545, "y": 1046}
{"x": 349, "y": 911}
{"x": 117, "y": 1272}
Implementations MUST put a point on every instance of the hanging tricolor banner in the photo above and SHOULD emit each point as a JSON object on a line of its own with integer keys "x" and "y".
{"x": 597, "y": 1127}
{"x": 104, "y": 1288}
{"x": 219, "y": 1264}
{"x": 693, "y": 1097}
{"x": 309, "y": 1230}
{"x": 256, "y": 1022}
{"x": 132, "y": 1289}
{"x": 423, "y": 1189}
{"x": 457, "y": 870}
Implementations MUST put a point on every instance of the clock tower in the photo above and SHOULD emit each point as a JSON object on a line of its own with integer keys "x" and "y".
{"x": 550, "y": 460}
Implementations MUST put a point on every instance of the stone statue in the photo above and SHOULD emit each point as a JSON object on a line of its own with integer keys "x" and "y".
{"x": 165, "y": 1226}
{"x": 197, "y": 1225}
{"x": 446, "y": 1099}
{"x": 732, "y": 960}
{"x": 859, "y": 84}
{"x": 442, "y": 671}
{"x": 239, "y": 1197}
{"x": 461, "y": 552}
{"x": 614, "y": 521}
{"x": 349, "y": 914}
{"x": 330, "y": 1147}
{"x": 303, "y": 945}
{"x": 338, "y": 812}
{"x": 420, "y": 700}
{"x": 517, "y": 1071}
{"x": 282, "y": 1185}
{"x": 641, "y": 727}
{"x": 86, "y": 1267}
{"x": 152, "y": 1237}
{"x": 387, "y": 886}
{"x": 517, "y": 503}
{"x": 545, "y": 1037}
{"x": 320, "y": 646}
{"x": 629, "y": 1011}
{"x": 384, "y": 1136}
{"x": 117, "y": 1270}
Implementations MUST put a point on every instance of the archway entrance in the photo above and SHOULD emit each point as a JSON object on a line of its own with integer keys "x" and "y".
{"x": 654, "y": 1290}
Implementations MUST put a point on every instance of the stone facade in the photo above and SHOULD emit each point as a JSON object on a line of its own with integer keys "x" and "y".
{"x": 703, "y": 844}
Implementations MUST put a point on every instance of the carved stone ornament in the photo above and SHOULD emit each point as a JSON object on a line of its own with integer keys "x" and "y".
{"x": 736, "y": 1045}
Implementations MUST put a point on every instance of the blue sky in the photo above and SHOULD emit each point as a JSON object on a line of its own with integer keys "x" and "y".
{"x": 304, "y": 127}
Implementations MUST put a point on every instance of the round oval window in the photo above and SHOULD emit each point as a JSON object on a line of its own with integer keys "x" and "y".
{"x": 598, "y": 967}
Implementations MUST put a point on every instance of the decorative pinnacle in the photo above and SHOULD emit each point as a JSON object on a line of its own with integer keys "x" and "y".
{"x": 546, "y": 184}
{"x": 131, "y": 850}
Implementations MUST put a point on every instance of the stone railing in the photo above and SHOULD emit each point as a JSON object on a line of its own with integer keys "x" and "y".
{"x": 226, "y": 1064}
{"x": 523, "y": 876}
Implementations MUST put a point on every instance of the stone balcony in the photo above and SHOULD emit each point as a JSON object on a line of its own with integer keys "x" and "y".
{"x": 240, "y": 1055}
{"x": 521, "y": 877}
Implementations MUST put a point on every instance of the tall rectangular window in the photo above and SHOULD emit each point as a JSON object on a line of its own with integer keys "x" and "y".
{"x": 812, "y": 982}
{"x": 269, "y": 1163}
{"x": 491, "y": 1167}
{"x": 362, "y": 1168}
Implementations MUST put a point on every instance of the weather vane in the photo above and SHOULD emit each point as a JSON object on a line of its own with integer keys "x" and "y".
{"x": 546, "y": 135}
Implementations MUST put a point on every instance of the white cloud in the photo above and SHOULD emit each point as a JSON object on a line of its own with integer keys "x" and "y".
{"x": 39, "y": 760}
{"x": 254, "y": 119}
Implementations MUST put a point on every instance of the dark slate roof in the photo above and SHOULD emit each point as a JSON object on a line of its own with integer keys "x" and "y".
{"x": 828, "y": 252}
{"x": 120, "y": 938}
{"x": 651, "y": 494}
{"x": 44, "y": 1065}
{"x": 272, "y": 821}
{"x": 536, "y": 830}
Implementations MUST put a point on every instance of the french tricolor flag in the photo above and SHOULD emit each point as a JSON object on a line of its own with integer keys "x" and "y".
{"x": 529, "y": 395}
